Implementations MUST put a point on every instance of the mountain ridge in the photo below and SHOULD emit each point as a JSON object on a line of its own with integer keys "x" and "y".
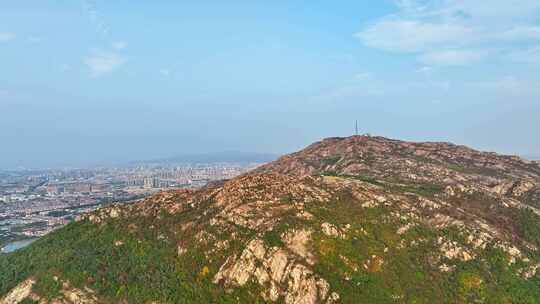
{"x": 346, "y": 220}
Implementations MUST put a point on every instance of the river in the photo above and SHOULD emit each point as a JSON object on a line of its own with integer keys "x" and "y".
{"x": 10, "y": 247}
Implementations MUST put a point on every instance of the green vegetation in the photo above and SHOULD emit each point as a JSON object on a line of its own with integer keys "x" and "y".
{"x": 380, "y": 271}
{"x": 330, "y": 161}
{"x": 136, "y": 260}
{"x": 424, "y": 189}
{"x": 470, "y": 169}
{"x": 377, "y": 274}
{"x": 530, "y": 226}
{"x": 364, "y": 178}
{"x": 145, "y": 268}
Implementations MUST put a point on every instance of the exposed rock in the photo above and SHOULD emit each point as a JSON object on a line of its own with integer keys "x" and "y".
{"x": 181, "y": 250}
{"x": 333, "y": 298}
{"x": 531, "y": 271}
{"x": 521, "y": 187}
{"x": 78, "y": 296}
{"x": 452, "y": 250}
{"x": 274, "y": 268}
{"x": 277, "y": 262}
{"x": 68, "y": 295}
{"x": 331, "y": 230}
{"x": 19, "y": 293}
{"x": 405, "y": 228}
{"x": 446, "y": 268}
{"x": 297, "y": 241}
{"x": 303, "y": 287}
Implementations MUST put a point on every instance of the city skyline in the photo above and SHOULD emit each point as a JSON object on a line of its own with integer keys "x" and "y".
{"x": 223, "y": 157}
{"x": 35, "y": 203}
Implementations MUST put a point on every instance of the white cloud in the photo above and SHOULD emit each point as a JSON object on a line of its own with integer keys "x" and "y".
{"x": 119, "y": 45}
{"x": 411, "y": 36}
{"x": 5, "y": 37}
{"x": 455, "y": 32}
{"x": 453, "y": 57}
{"x": 101, "y": 62}
{"x": 165, "y": 72}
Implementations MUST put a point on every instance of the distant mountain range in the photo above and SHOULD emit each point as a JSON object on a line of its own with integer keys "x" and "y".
{"x": 217, "y": 157}
{"x": 532, "y": 157}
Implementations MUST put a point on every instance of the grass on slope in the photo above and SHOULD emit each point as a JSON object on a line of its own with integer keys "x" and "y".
{"x": 145, "y": 268}
{"x": 370, "y": 265}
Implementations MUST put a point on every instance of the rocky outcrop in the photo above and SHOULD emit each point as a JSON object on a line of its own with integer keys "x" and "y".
{"x": 452, "y": 250}
{"x": 331, "y": 230}
{"x": 422, "y": 161}
{"x": 297, "y": 241}
{"x": 19, "y": 293}
{"x": 68, "y": 294}
{"x": 279, "y": 273}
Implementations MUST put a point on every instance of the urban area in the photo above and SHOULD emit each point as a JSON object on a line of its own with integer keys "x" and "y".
{"x": 36, "y": 202}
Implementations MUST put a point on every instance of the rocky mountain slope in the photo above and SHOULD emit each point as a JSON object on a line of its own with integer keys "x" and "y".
{"x": 347, "y": 220}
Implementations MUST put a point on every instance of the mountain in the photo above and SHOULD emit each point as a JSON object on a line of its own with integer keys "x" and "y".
{"x": 346, "y": 220}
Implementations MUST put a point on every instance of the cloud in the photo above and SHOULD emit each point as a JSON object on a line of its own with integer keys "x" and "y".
{"x": 119, "y": 45}
{"x": 453, "y": 57}
{"x": 165, "y": 72}
{"x": 5, "y": 37}
{"x": 455, "y": 32}
{"x": 101, "y": 62}
{"x": 411, "y": 36}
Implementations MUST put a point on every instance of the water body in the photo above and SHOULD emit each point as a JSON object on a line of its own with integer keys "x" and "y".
{"x": 10, "y": 247}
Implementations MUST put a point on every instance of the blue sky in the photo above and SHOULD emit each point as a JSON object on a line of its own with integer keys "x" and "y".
{"x": 91, "y": 81}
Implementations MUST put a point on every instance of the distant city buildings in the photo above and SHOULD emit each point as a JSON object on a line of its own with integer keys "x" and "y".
{"x": 34, "y": 203}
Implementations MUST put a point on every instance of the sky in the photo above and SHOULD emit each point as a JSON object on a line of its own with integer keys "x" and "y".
{"x": 94, "y": 81}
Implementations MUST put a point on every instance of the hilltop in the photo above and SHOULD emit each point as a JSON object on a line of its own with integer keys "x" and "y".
{"x": 346, "y": 220}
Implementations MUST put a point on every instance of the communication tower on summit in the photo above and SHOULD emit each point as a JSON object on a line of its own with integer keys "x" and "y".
{"x": 356, "y": 128}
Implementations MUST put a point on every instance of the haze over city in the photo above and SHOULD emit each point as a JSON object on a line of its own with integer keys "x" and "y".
{"x": 94, "y": 81}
